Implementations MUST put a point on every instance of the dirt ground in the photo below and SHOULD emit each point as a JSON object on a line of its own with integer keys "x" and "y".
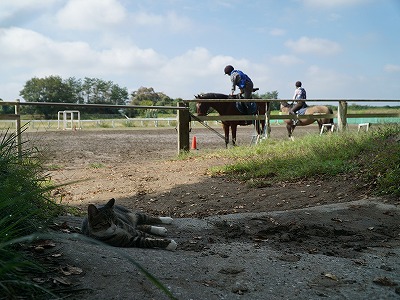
{"x": 325, "y": 237}
{"x": 139, "y": 168}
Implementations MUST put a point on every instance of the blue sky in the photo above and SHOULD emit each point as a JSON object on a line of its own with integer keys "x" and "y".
{"x": 339, "y": 49}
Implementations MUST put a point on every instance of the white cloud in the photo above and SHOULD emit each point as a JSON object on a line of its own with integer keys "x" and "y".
{"x": 27, "y": 48}
{"x": 128, "y": 65}
{"x": 146, "y": 19}
{"x": 331, "y": 3}
{"x": 330, "y": 84}
{"x": 9, "y": 8}
{"x": 334, "y": 17}
{"x": 90, "y": 14}
{"x": 125, "y": 60}
{"x": 189, "y": 71}
{"x": 287, "y": 60}
{"x": 313, "y": 46}
{"x": 390, "y": 68}
{"x": 277, "y": 32}
{"x": 170, "y": 20}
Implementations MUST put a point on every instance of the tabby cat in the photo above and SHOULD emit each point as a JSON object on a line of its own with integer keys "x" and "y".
{"x": 117, "y": 226}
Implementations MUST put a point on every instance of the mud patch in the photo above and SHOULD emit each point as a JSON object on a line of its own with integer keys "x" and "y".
{"x": 340, "y": 233}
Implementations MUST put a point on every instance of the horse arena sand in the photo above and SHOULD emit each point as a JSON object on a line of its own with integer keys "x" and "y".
{"x": 293, "y": 240}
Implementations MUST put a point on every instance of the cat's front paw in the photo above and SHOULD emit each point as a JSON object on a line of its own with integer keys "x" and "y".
{"x": 161, "y": 231}
{"x": 172, "y": 246}
{"x": 166, "y": 220}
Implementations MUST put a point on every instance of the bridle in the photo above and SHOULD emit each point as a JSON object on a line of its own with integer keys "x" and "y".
{"x": 202, "y": 108}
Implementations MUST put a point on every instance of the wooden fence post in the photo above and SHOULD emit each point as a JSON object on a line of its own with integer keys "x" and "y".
{"x": 183, "y": 128}
{"x": 342, "y": 115}
{"x": 268, "y": 119}
{"x": 18, "y": 129}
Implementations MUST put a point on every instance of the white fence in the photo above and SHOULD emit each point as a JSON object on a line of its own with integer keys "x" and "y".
{"x": 101, "y": 123}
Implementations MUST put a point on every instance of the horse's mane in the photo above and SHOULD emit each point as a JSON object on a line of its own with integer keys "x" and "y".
{"x": 211, "y": 96}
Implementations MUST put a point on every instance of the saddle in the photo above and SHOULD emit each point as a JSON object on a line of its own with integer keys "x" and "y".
{"x": 247, "y": 108}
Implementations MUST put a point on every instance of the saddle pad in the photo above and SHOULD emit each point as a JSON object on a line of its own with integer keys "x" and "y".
{"x": 247, "y": 108}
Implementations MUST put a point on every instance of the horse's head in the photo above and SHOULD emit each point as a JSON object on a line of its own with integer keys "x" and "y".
{"x": 285, "y": 106}
{"x": 203, "y": 107}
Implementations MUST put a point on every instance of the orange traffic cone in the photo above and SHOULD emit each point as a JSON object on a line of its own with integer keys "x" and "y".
{"x": 194, "y": 143}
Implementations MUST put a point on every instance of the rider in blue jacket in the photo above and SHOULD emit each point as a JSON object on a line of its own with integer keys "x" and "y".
{"x": 238, "y": 78}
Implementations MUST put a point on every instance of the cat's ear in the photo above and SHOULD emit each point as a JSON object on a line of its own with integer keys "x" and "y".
{"x": 110, "y": 203}
{"x": 92, "y": 210}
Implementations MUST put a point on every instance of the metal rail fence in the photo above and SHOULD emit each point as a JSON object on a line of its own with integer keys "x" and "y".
{"x": 183, "y": 119}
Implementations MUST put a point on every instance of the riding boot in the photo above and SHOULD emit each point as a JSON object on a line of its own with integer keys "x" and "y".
{"x": 294, "y": 111}
{"x": 245, "y": 112}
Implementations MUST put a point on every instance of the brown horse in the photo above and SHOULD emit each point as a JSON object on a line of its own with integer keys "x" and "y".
{"x": 228, "y": 108}
{"x": 311, "y": 110}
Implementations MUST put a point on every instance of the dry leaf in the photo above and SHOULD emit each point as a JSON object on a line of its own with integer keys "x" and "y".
{"x": 70, "y": 270}
{"x": 361, "y": 262}
{"x": 331, "y": 276}
{"x": 384, "y": 281}
{"x": 46, "y": 244}
{"x": 39, "y": 249}
{"x": 61, "y": 280}
{"x": 39, "y": 280}
{"x": 337, "y": 220}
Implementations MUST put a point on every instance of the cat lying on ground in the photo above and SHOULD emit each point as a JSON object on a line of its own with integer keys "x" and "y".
{"x": 117, "y": 226}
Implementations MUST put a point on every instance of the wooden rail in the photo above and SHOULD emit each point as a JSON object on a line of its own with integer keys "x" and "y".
{"x": 341, "y": 115}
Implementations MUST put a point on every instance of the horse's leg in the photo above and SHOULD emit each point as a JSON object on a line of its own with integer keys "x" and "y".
{"x": 263, "y": 129}
{"x": 290, "y": 127}
{"x": 320, "y": 122}
{"x": 257, "y": 122}
{"x": 226, "y": 131}
{"x": 257, "y": 129}
{"x": 234, "y": 129}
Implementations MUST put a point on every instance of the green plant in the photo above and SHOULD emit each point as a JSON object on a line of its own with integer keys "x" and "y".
{"x": 129, "y": 124}
{"x": 96, "y": 165}
{"x": 25, "y": 212}
{"x": 24, "y": 209}
{"x": 376, "y": 153}
{"x": 382, "y": 165}
{"x": 104, "y": 124}
{"x": 54, "y": 167}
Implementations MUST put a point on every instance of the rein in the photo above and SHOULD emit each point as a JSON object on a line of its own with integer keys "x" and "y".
{"x": 287, "y": 104}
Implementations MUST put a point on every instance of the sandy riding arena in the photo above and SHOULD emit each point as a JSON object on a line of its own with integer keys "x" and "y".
{"x": 139, "y": 168}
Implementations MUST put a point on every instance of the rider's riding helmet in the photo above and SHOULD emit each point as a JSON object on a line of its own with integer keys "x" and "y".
{"x": 228, "y": 69}
{"x": 298, "y": 83}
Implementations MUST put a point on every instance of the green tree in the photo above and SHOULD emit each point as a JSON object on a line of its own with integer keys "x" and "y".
{"x": 148, "y": 97}
{"x": 48, "y": 89}
{"x": 98, "y": 91}
{"x": 6, "y": 109}
{"x": 71, "y": 90}
{"x": 269, "y": 95}
{"x": 76, "y": 87}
